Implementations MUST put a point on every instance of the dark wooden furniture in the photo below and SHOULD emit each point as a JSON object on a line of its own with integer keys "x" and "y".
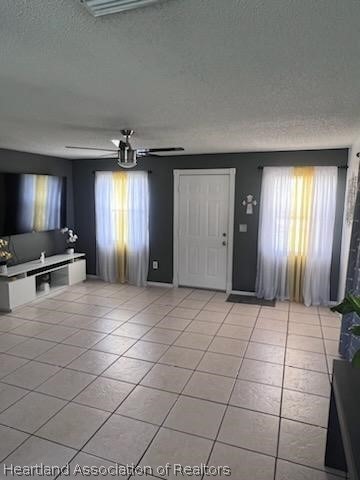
{"x": 343, "y": 438}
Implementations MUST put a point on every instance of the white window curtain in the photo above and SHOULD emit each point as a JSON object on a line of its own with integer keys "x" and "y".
{"x": 293, "y": 249}
{"x": 122, "y": 226}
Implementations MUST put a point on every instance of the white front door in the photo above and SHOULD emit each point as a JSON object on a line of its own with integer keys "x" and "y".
{"x": 203, "y": 219}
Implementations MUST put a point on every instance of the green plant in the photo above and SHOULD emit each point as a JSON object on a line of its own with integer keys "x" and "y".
{"x": 5, "y": 255}
{"x": 351, "y": 304}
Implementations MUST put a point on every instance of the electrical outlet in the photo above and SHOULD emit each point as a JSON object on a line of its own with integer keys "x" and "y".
{"x": 242, "y": 227}
{"x": 155, "y": 264}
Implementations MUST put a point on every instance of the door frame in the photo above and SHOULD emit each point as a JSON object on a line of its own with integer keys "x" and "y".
{"x": 231, "y": 172}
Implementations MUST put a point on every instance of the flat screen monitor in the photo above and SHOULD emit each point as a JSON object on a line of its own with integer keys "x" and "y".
{"x": 31, "y": 203}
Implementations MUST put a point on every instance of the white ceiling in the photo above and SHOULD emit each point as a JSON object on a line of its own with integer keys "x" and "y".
{"x": 208, "y": 75}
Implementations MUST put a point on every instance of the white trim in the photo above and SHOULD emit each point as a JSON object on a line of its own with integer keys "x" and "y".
{"x": 160, "y": 284}
{"x": 241, "y": 292}
{"x": 213, "y": 171}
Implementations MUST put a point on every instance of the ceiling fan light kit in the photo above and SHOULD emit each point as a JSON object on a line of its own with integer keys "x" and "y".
{"x": 127, "y": 156}
{"x": 99, "y": 8}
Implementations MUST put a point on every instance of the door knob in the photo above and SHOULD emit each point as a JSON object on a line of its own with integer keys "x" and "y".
{"x": 224, "y": 243}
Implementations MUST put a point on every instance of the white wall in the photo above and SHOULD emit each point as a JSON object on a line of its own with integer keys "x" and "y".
{"x": 352, "y": 174}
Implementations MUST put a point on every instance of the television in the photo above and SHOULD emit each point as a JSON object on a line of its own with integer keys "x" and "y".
{"x": 31, "y": 203}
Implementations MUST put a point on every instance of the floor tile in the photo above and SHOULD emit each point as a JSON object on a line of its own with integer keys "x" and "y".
{"x": 9, "y": 363}
{"x": 205, "y": 328}
{"x": 301, "y": 443}
{"x": 193, "y": 340}
{"x": 244, "y": 320}
{"x": 244, "y": 465}
{"x": 220, "y": 364}
{"x": 73, "y": 425}
{"x": 8, "y": 340}
{"x": 149, "y": 319}
{"x": 32, "y": 411}
{"x": 256, "y": 396}
{"x": 188, "y": 313}
{"x": 31, "y": 375}
{"x": 84, "y": 339}
{"x": 53, "y": 316}
{"x": 31, "y": 348}
{"x": 244, "y": 309}
{"x": 120, "y": 315}
{"x": 274, "y": 314}
{"x": 10, "y": 439}
{"x": 228, "y": 346}
{"x": 331, "y": 333}
{"x": 194, "y": 416}
{"x": 147, "y": 404}
{"x": 252, "y": 430}
{"x": 61, "y": 355}
{"x": 265, "y": 353}
{"x": 36, "y": 451}
{"x": 165, "y": 377}
{"x": 128, "y": 370}
{"x": 103, "y": 325}
{"x": 161, "y": 335}
{"x": 210, "y": 317}
{"x": 66, "y": 384}
{"x": 93, "y": 362}
{"x": 104, "y": 394}
{"x": 304, "y": 329}
{"x": 287, "y": 470}
{"x": 57, "y": 333}
{"x": 214, "y": 306}
{"x": 31, "y": 329}
{"x": 195, "y": 304}
{"x": 235, "y": 331}
{"x": 271, "y": 324}
{"x": 261, "y": 372}
{"x": 147, "y": 351}
{"x": 80, "y": 321}
{"x": 308, "y": 344}
{"x": 331, "y": 347}
{"x": 181, "y": 357}
{"x": 9, "y": 395}
{"x": 269, "y": 337}
{"x": 123, "y": 440}
{"x": 8, "y": 323}
{"x": 131, "y": 330}
{"x": 307, "y": 381}
{"x": 114, "y": 344}
{"x": 311, "y": 319}
{"x": 209, "y": 387}
{"x": 176, "y": 448}
{"x": 304, "y": 407}
{"x": 306, "y": 360}
{"x": 174, "y": 323}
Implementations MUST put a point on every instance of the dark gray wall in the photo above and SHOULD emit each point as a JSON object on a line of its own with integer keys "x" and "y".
{"x": 28, "y": 246}
{"x": 248, "y": 180}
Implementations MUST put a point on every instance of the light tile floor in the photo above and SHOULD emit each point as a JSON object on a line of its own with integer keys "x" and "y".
{"x": 105, "y": 373}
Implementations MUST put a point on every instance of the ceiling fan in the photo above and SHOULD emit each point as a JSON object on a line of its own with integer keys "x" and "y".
{"x": 125, "y": 154}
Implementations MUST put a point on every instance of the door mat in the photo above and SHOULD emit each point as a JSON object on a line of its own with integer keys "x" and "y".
{"x": 250, "y": 300}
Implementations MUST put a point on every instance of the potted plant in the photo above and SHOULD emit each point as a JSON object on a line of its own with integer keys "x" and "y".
{"x": 5, "y": 256}
{"x": 351, "y": 304}
{"x": 70, "y": 240}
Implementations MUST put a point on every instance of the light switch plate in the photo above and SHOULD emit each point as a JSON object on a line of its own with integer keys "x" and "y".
{"x": 155, "y": 264}
{"x": 242, "y": 227}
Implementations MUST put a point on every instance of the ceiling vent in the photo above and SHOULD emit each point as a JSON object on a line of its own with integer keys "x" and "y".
{"x": 107, "y": 7}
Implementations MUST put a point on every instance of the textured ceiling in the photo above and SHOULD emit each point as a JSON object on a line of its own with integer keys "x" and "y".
{"x": 208, "y": 75}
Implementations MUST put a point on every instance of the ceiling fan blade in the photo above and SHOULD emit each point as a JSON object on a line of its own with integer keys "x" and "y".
{"x": 116, "y": 142}
{"x": 156, "y": 150}
{"x": 90, "y": 148}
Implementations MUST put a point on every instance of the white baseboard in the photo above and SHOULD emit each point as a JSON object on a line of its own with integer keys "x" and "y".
{"x": 160, "y": 284}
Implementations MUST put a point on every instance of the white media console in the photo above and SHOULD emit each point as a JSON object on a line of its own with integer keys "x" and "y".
{"x": 22, "y": 283}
